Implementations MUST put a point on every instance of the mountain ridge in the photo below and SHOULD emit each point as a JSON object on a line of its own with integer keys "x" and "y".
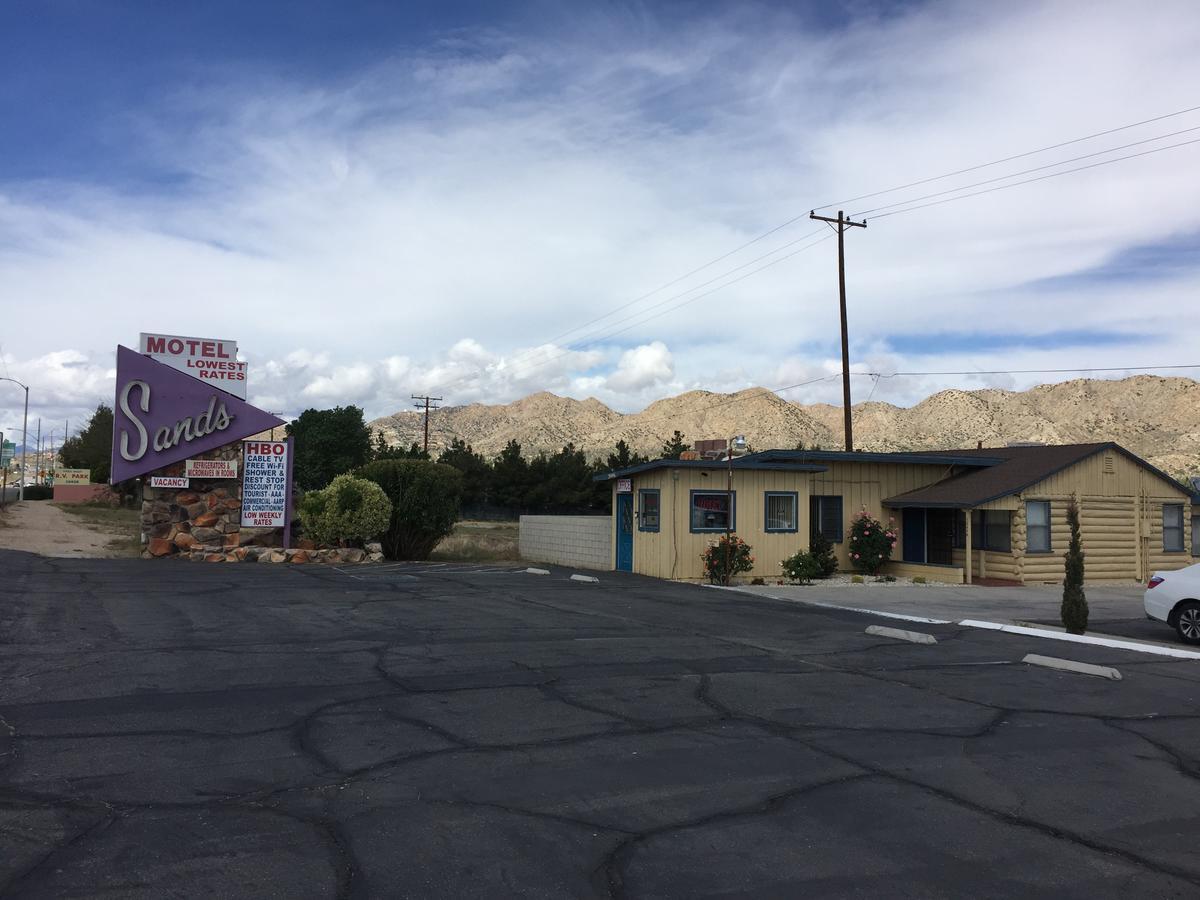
{"x": 1155, "y": 417}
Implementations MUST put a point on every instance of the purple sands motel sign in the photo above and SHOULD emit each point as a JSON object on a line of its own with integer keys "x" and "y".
{"x": 162, "y": 416}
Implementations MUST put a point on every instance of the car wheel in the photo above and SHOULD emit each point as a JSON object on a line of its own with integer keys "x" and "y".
{"x": 1187, "y": 622}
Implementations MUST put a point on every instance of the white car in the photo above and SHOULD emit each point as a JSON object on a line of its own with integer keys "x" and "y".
{"x": 1174, "y": 598}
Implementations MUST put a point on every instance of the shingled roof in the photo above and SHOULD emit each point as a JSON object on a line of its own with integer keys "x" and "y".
{"x": 1019, "y": 468}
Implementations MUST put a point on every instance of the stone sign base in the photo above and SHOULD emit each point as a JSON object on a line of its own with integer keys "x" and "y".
{"x": 205, "y": 517}
{"x": 335, "y": 556}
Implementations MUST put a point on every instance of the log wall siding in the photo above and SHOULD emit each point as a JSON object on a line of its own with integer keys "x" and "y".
{"x": 1120, "y": 507}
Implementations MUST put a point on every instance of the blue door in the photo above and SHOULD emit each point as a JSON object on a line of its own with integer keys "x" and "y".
{"x": 913, "y": 523}
{"x": 625, "y": 532}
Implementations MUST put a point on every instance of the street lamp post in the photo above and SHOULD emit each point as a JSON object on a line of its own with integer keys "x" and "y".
{"x": 24, "y": 436}
{"x": 738, "y": 441}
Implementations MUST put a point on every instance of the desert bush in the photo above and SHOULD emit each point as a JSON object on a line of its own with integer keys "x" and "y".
{"x": 728, "y": 557}
{"x": 802, "y": 567}
{"x": 820, "y": 548}
{"x": 350, "y": 511}
{"x": 918, "y": 579}
{"x": 425, "y": 500}
{"x": 870, "y": 543}
{"x": 856, "y": 579}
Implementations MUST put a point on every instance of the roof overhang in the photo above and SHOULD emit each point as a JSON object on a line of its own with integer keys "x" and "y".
{"x": 740, "y": 464}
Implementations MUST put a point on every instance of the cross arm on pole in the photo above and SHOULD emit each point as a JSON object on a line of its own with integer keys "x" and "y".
{"x": 840, "y": 220}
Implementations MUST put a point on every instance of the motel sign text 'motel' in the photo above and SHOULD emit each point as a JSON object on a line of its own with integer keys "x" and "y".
{"x": 163, "y": 416}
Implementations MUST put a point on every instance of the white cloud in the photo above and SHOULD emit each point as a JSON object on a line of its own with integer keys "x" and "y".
{"x": 642, "y": 367}
{"x": 516, "y": 188}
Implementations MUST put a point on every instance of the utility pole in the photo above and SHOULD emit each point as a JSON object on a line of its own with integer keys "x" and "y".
{"x": 24, "y": 437}
{"x": 426, "y": 401}
{"x": 842, "y": 222}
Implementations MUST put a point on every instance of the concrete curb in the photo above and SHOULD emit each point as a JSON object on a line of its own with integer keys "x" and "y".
{"x": 913, "y": 637}
{"x": 925, "y": 620}
{"x": 591, "y": 579}
{"x": 1026, "y": 630}
{"x": 533, "y": 571}
{"x": 1070, "y": 665}
{"x": 1094, "y": 640}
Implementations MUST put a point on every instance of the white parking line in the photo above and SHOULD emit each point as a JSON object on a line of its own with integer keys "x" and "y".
{"x": 1094, "y": 640}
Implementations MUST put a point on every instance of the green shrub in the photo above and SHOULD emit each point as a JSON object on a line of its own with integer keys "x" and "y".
{"x": 870, "y": 543}
{"x": 803, "y": 567}
{"x": 888, "y": 579}
{"x": 856, "y": 579}
{"x": 350, "y": 511}
{"x": 822, "y": 552}
{"x": 1074, "y": 603}
{"x": 918, "y": 579}
{"x": 425, "y": 500}
{"x": 728, "y": 557}
{"x": 38, "y": 492}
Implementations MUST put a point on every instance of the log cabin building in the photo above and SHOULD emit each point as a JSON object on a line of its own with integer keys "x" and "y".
{"x": 961, "y": 515}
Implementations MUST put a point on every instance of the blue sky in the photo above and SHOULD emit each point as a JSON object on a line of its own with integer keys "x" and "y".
{"x": 379, "y": 199}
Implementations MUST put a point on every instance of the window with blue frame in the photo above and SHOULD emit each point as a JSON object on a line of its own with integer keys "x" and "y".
{"x": 781, "y": 510}
{"x": 648, "y": 509}
{"x": 710, "y": 511}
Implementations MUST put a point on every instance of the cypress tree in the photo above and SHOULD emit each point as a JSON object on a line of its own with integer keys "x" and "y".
{"x": 1074, "y": 603}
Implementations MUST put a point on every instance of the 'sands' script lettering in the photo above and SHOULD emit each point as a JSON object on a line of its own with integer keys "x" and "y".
{"x": 214, "y": 418}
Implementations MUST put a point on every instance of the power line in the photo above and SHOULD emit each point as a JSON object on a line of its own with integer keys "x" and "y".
{"x": 794, "y": 219}
{"x": 726, "y": 401}
{"x": 582, "y": 345}
{"x": 996, "y": 162}
{"x": 1052, "y": 165}
{"x": 1035, "y": 371}
{"x": 1107, "y": 162}
{"x": 720, "y": 287}
{"x": 877, "y": 376}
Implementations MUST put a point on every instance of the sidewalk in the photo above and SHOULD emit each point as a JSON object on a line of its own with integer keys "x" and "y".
{"x": 1029, "y": 603}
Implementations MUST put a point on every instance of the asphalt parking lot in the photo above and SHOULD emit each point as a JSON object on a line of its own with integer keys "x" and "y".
{"x": 171, "y": 729}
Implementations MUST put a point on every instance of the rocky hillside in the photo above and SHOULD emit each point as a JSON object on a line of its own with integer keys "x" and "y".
{"x": 1157, "y": 418}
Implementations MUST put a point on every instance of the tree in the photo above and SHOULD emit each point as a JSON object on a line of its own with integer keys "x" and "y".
{"x": 1074, "y": 602}
{"x": 476, "y": 473}
{"x": 623, "y": 457}
{"x": 674, "y": 448}
{"x": 510, "y": 478}
{"x": 328, "y": 443}
{"x": 425, "y": 503}
{"x": 92, "y": 447}
{"x": 383, "y": 450}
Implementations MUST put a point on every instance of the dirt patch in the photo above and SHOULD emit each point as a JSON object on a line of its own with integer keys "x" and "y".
{"x": 39, "y": 526}
{"x": 481, "y": 542}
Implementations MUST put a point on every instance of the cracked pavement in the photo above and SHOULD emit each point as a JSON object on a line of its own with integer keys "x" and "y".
{"x": 171, "y": 729}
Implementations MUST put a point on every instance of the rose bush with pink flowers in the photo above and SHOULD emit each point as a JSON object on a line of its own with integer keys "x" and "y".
{"x": 871, "y": 543}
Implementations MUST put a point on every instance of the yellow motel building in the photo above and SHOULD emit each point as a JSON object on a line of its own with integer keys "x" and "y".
{"x": 961, "y": 515}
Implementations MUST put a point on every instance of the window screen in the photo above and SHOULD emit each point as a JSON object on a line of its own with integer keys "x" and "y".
{"x": 781, "y": 511}
{"x": 1173, "y": 527}
{"x": 1037, "y": 524}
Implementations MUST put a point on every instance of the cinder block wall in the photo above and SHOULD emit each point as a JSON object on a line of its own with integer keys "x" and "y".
{"x": 581, "y": 541}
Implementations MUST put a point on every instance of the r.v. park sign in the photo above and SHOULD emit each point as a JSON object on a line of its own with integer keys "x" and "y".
{"x": 163, "y": 416}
